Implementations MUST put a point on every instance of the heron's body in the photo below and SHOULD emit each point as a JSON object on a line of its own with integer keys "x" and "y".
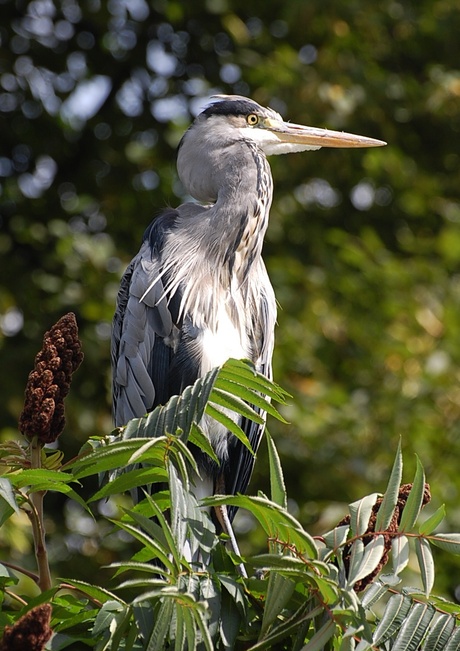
{"x": 198, "y": 293}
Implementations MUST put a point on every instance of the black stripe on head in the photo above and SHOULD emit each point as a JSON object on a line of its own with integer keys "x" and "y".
{"x": 231, "y": 107}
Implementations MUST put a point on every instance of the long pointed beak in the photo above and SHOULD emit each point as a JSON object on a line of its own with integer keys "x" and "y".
{"x": 315, "y": 137}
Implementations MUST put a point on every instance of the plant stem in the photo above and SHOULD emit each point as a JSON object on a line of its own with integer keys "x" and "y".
{"x": 22, "y": 570}
{"x": 16, "y": 597}
{"x": 38, "y": 526}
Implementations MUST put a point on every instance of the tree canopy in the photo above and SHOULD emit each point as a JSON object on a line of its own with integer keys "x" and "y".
{"x": 363, "y": 246}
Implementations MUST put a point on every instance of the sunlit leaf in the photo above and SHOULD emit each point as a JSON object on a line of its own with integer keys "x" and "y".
{"x": 444, "y": 604}
{"x": 117, "y": 455}
{"x": 108, "y": 612}
{"x": 439, "y": 634}
{"x": 117, "y": 623}
{"x": 149, "y": 583}
{"x": 360, "y": 513}
{"x": 229, "y": 423}
{"x": 93, "y": 591}
{"x": 8, "y": 504}
{"x": 278, "y": 561}
{"x": 277, "y": 486}
{"x": 336, "y": 537}
{"x": 367, "y": 561}
{"x": 329, "y": 590}
{"x": 199, "y": 438}
{"x": 373, "y": 593}
{"x": 174, "y": 594}
{"x": 390, "y": 497}
{"x": 356, "y": 558}
{"x": 243, "y": 372}
{"x": 190, "y": 628}
{"x": 178, "y": 531}
{"x": 453, "y": 643}
{"x": 131, "y": 479}
{"x": 394, "y": 614}
{"x": 399, "y": 553}
{"x": 39, "y": 477}
{"x": 128, "y": 566}
{"x": 426, "y": 563}
{"x": 414, "y": 627}
{"x": 276, "y": 522}
{"x": 414, "y": 501}
{"x": 143, "y": 451}
{"x": 448, "y": 541}
{"x": 179, "y": 642}
{"x": 433, "y": 521}
{"x": 171, "y": 540}
{"x": 226, "y": 387}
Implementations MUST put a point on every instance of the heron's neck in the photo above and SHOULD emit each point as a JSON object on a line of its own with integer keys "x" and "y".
{"x": 241, "y": 211}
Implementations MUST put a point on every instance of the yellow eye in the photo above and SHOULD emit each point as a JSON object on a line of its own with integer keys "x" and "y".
{"x": 252, "y": 119}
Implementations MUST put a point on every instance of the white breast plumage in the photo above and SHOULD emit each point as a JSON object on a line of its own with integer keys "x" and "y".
{"x": 223, "y": 341}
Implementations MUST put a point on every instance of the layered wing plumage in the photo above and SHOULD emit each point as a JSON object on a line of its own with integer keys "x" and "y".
{"x": 157, "y": 346}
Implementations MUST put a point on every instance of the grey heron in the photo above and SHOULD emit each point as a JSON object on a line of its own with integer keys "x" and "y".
{"x": 198, "y": 293}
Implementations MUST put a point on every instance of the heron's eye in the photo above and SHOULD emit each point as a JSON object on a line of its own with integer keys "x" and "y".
{"x": 252, "y": 119}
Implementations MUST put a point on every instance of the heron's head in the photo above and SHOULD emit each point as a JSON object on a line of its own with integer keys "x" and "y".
{"x": 242, "y": 117}
{"x": 230, "y": 119}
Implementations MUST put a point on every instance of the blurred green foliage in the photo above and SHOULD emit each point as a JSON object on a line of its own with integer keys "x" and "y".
{"x": 363, "y": 247}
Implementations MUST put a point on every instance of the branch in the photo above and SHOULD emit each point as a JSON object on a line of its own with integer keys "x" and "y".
{"x": 22, "y": 570}
{"x": 38, "y": 527}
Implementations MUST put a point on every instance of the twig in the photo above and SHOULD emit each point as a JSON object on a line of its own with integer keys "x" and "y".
{"x": 16, "y": 597}
{"x": 22, "y": 570}
{"x": 69, "y": 586}
{"x": 36, "y": 518}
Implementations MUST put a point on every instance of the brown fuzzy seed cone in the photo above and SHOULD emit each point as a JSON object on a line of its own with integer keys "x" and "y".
{"x": 388, "y": 534}
{"x": 30, "y": 633}
{"x": 49, "y": 382}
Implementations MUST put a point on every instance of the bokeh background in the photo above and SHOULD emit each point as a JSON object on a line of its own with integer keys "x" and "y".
{"x": 363, "y": 247}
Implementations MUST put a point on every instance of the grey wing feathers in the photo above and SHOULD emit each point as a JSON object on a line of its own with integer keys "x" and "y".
{"x": 141, "y": 317}
{"x": 156, "y": 352}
